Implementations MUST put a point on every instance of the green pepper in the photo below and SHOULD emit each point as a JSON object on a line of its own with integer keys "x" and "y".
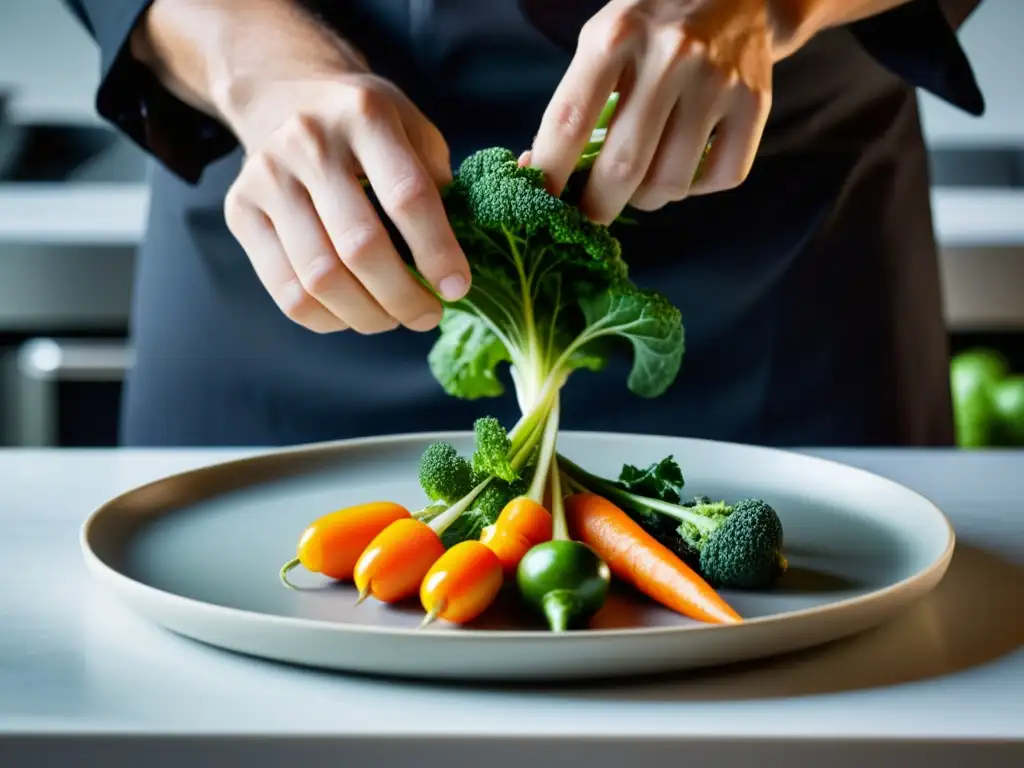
{"x": 1008, "y": 411}
{"x": 565, "y": 580}
{"x": 973, "y": 374}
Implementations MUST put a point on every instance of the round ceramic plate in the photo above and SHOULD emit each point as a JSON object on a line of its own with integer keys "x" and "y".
{"x": 199, "y": 553}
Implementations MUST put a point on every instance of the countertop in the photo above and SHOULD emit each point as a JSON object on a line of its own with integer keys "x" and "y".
{"x": 83, "y": 681}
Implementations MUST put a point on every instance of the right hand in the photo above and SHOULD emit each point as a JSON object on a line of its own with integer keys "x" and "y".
{"x": 309, "y": 229}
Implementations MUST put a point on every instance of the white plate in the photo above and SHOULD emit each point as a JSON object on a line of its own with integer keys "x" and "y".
{"x": 199, "y": 553}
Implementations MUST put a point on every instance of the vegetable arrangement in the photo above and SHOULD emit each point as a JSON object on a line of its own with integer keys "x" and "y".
{"x": 550, "y": 297}
{"x": 988, "y": 400}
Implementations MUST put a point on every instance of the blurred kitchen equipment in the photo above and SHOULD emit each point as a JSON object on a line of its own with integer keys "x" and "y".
{"x": 64, "y": 392}
{"x": 12, "y": 135}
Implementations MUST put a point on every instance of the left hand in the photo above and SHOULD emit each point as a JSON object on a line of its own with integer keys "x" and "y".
{"x": 683, "y": 68}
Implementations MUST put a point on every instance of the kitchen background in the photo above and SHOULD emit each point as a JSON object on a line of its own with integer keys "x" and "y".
{"x": 73, "y": 203}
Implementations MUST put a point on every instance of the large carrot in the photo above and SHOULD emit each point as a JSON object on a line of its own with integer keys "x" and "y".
{"x": 642, "y": 561}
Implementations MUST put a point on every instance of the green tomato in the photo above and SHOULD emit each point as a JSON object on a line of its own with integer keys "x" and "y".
{"x": 566, "y": 581}
{"x": 1008, "y": 410}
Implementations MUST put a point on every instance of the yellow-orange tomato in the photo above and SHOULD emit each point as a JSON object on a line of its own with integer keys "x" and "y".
{"x": 332, "y": 544}
{"x": 462, "y": 583}
{"x": 393, "y": 565}
{"x": 509, "y": 546}
{"x": 527, "y": 518}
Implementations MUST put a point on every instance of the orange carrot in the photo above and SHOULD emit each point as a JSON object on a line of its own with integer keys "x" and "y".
{"x": 642, "y": 561}
{"x": 332, "y": 544}
{"x": 461, "y": 584}
{"x": 393, "y": 565}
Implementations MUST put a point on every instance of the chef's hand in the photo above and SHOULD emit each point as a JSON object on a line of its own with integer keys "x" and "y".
{"x": 683, "y": 68}
{"x": 312, "y": 120}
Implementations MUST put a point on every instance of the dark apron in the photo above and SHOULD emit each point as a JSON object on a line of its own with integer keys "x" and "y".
{"x": 810, "y": 294}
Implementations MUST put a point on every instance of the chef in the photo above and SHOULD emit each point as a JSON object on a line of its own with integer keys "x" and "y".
{"x": 271, "y": 306}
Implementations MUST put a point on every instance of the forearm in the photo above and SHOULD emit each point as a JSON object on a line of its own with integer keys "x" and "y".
{"x": 215, "y": 55}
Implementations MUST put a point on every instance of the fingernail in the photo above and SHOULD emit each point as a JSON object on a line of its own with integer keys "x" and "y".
{"x": 453, "y": 287}
{"x": 425, "y": 322}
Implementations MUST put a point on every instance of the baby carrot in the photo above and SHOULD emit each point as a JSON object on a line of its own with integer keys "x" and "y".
{"x": 461, "y": 584}
{"x": 332, "y": 544}
{"x": 393, "y": 565}
{"x": 639, "y": 559}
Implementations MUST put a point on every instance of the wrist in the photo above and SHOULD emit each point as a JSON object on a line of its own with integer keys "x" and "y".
{"x": 793, "y": 23}
{"x": 224, "y": 56}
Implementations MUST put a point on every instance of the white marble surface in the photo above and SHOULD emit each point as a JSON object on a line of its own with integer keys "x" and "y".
{"x": 78, "y": 666}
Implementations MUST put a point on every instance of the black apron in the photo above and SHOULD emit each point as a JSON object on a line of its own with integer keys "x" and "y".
{"x": 810, "y": 294}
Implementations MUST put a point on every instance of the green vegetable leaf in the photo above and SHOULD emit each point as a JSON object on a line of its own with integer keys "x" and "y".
{"x": 465, "y": 357}
{"x": 661, "y": 480}
{"x": 650, "y": 323}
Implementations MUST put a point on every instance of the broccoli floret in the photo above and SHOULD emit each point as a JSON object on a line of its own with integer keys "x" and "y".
{"x": 444, "y": 474}
{"x": 743, "y": 549}
{"x": 740, "y": 545}
{"x": 493, "y": 445}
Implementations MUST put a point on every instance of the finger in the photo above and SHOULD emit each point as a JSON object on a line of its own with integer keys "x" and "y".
{"x": 737, "y": 138}
{"x": 359, "y": 241}
{"x": 326, "y": 267}
{"x": 427, "y": 141}
{"x": 631, "y": 142}
{"x": 412, "y": 200}
{"x": 680, "y": 149}
{"x": 576, "y": 105}
{"x": 257, "y": 236}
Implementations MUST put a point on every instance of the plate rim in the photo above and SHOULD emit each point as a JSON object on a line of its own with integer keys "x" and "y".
{"x": 101, "y": 569}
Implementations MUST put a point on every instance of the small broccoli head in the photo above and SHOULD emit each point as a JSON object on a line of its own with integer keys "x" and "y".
{"x": 444, "y": 474}
{"x": 745, "y": 549}
{"x": 491, "y": 456}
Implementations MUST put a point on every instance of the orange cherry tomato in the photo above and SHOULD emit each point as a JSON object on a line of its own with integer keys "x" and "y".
{"x": 393, "y": 565}
{"x": 527, "y": 518}
{"x": 332, "y": 544}
{"x": 462, "y": 583}
{"x": 509, "y": 546}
